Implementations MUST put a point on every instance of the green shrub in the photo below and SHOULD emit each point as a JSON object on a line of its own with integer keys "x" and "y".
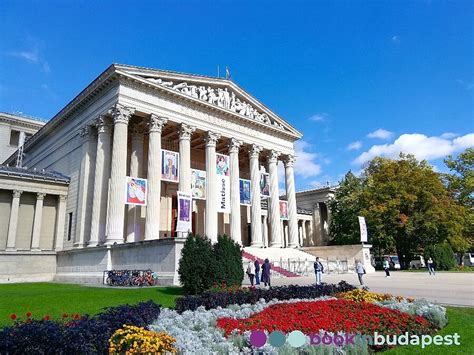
{"x": 202, "y": 264}
{"x": 442, "y": 255}
{"x": 196, "y": 267}
{"x": 228, "y": 262}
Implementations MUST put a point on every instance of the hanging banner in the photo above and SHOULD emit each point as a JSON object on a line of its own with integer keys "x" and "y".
{"x": 169, "y": 165}
{"x": 135, "y": 191}
{"x": 183, "y": 223}
{"x": 283, "y": 210}
{"x": 223, "y": 193}
{"x": 245, "y": 192}
{"x": 363, "y": 229}
{"x": 264, "y": 185}
{"x": 222, "y": 164}
{"x": 198, "y": 184}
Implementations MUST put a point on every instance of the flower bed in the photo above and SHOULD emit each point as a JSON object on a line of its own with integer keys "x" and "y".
{"x": 211, "y": 300}
{"x": 332, "y": 315}
{"x": 138, "y": 340}
{"x": 85, "y": 335}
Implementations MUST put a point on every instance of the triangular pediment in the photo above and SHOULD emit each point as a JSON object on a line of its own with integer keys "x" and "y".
{"x": 217, "y": 92}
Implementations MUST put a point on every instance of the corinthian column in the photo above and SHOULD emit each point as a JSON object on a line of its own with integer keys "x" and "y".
{"x": 184, "y": 185}
{"x": 152, "y": 221}
{"x": 256, "y": 208}
{"x": 35, "y": 239}
{"x": 85, "y": 187}
{"x": 273, "y": 201}
{"x": 291, "y": 197}
{"x": 235, "y": 230}
{"x": 211, "y": 194}
{"x": 13, "y": 223}
{"x": 116, "y": 212}
{"x": 101, "y": 181}
{"x": 134, "y": 234}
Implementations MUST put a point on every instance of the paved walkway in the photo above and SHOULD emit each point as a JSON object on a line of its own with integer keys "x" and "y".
{"x": 446, "y": 287}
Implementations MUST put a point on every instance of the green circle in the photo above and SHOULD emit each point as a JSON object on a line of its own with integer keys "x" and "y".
{"x": 277, "y": 339}
{"x": 296, "y": 339}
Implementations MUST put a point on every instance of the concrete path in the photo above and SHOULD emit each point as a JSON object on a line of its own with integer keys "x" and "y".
{"x": 446, "y": 288}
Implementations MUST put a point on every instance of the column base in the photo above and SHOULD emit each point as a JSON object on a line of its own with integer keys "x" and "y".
{"x": 114, "y": 242}
{"x": 292, "y": 246}
{"x": 276, "y": 245}
{"x": 256, "y": 245}
{"x": 10, "y": 249}
{"x": 93, "y": 244}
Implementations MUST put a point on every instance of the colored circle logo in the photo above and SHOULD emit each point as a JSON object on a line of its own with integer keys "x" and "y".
{"x": 258, "y": 338}
{"x": 277, "y": 339}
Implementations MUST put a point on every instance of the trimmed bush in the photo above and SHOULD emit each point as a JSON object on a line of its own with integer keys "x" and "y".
{"x": 88, "y": 335}
{"x": 196, "y": 267}
{"x": 228, "y": 262}
{"x": 442, "y": 255}
{"x": 211, "y": 300}
{"x": 202, "y": 264}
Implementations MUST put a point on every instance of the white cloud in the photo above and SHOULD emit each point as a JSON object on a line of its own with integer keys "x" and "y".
{"x": 396, "y": 39}
{"x": 449, "y": 135}
{"x": 355, "y": 145}
{"x": 466, "y": 85}
{"x": 319, "y": 117}
{"x": 31, "y": 56}
{"x": 305, "y": 164}
{"x": 380, "y": 134}
{"x": 421, "y": 146}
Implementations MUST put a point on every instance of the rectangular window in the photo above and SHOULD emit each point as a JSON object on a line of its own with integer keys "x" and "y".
{"x": 69, "y": 226}
{"x": 14, "y": 138}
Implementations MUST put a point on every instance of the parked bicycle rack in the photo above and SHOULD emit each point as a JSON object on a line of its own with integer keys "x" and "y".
{"x": 130, "y": 278}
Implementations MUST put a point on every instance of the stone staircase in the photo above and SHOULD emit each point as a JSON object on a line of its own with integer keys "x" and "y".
{"x": 274, "y": 268}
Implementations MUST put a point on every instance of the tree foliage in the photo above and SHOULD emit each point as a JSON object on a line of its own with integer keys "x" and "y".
{"x": 442, "y": 255}
{"x": 405, "y": 204}
{"x": 228, "y": 262}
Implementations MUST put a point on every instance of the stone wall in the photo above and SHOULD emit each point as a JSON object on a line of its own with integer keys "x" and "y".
{"x": 343, "y": 252}
{"x": 27, "y": 266}
{"x": 87, "y": 265}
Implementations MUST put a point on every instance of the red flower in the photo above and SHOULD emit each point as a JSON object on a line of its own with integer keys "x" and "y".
{"x": 46, "y": 317}
{"x": 28, "y": 314}
{"x": 75, "y": 316}
{"x": 13, "y": 316}
{"x": 64, "y": 315}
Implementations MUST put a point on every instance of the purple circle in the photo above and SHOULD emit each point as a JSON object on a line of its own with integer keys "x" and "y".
{"x": 258, "y": 338}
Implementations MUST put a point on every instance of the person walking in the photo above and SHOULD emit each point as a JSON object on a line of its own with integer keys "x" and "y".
{"x": 266, "y": 267}
{"x": 386, "y": 267}
{"x": 257, "y": 272}
{"x": 430, "y": 264}
{"x": 251, "y": 272}
{"x": 360, "y": 272}
{"x": 318, "y": 271}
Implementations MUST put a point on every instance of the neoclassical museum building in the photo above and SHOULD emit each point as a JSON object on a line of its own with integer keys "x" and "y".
{"x": 144, "y": 157}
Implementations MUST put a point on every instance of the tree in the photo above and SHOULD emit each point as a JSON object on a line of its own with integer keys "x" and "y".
{"x": 345, "y": 207}
{"x": 407, "y": 201}
{"x": 460, "y": 184}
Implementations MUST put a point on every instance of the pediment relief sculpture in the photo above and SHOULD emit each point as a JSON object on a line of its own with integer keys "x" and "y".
{"x": 220, "y": 97}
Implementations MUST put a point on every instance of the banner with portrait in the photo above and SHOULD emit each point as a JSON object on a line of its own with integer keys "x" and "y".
{"x": 183, "y": 223}
{"x": 198, "y": 184}
{"x": 135, "y": 191}
{"x": 264, "y": 185}
{"x": 363, "y": 229}
{"x": 169, "y": 165}
{"x": 283, "y": 210}
{"x": 223, "y": 193}
{"x": 245, "y": 197}
{"x": 222, "y": 164}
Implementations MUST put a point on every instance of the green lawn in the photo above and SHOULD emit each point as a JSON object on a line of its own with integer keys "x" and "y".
{"x": 461, "y": 321}
{"x": 55, "y": 299}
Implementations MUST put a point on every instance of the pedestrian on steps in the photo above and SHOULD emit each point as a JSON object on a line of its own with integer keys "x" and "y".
{"x": 266, "y": 267}
{"x": 257, "y": 272}
{"x": 251, "y": 272}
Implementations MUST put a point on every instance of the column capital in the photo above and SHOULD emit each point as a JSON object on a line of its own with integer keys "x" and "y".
{"x": 156, "y": 123}
{"x": 103, "y": 125}
{"x": 17, "y": 193}
{"x": 234, "y": 145}
{"x": 62, "y": 198}
{"x": 86, "y": 132}
{"x": 289, "y": 160}
{"x": 255, "y": 150}
{"x": 185, "y": 131}
{"x": 40, "y": 195}
{"x": 272, "y": 156}
{"x": 211, "y": 138}
{"x": 120, "y": 113}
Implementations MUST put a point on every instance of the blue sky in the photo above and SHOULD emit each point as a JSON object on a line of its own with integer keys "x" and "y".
{"x": 358, "y": 78}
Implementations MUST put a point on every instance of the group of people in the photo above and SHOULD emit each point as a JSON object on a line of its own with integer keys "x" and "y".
{"x": 253, "y": 272}
{"x": 319, "y": 271}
